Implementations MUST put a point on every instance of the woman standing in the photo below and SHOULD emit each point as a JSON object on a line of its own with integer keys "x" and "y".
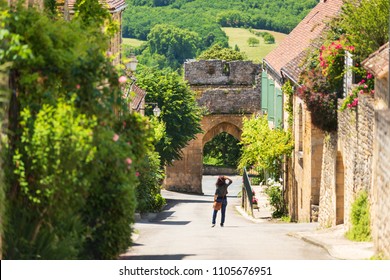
{"x": 220, "y": 196}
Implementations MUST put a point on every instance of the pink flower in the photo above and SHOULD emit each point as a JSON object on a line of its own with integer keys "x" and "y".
{"x": 115, "y": 138}
{"x": 108, "y": 54}
{"x": 352, "y": 48}
{"x": 137, "y": 174}
{"x": 362, "y": 82}
{"x": 361, "y": 91}
{"x": 372, "y": 91}
{"x": 128, "y": 161}
{"x": 369, "y": 76}
{"x": 78, "y": 86}
{"x": 122, "y": 79}
{"x": 338, "y": 46}
{"x": 365, "y": 86}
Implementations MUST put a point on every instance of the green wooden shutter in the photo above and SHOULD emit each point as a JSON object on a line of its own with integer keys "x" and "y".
{"x": 271, "y": 100}
{"x": 278, "y": 108}
{"x": 264, "y": 91}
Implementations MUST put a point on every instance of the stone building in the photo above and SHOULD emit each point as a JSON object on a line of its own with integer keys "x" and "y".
{"x": 227, "y": 91}
{"x": 356, "y": 158}
{"x": 303, "y": 176}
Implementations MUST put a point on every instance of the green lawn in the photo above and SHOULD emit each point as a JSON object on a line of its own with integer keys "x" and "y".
{"x": 132, "y": 42}
{"x": 239, "y": 37}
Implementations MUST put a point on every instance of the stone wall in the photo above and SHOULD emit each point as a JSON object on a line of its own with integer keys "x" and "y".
{"x": 219, "y": 72}
{"x": 229, "y": 100}
{"x": 228, "y": 91}
{"x": 327, "y": 212}
{"x": 351, "y": 149}
{"x": 305, "y": 192}
{"x": 217, "y": 170}
{"x": 381, "y": 221}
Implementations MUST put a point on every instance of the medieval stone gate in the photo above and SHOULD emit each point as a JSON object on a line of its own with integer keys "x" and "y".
{"x": 227, "y": 91}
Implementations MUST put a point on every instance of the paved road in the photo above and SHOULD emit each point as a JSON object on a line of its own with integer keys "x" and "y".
{"x": 183, "y": 231}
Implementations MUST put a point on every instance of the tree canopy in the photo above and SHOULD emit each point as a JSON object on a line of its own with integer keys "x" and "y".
{"x": 179, "y": 110}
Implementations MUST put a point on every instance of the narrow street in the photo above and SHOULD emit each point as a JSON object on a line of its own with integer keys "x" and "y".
{"x": 183, "y": 231}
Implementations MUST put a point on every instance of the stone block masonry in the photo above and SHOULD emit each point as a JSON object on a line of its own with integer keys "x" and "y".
{"x": 228, "y": 91}
{"x": 382, "y": 183}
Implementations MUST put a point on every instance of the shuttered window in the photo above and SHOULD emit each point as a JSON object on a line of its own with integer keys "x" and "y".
{"x": 271, "y": 100}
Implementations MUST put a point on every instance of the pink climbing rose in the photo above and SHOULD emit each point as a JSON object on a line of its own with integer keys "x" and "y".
{"x": 116, "y": 137}
{"x": 122, "y": 79}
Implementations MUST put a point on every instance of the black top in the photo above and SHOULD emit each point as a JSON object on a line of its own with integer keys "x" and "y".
{"x": 221, "y": 191}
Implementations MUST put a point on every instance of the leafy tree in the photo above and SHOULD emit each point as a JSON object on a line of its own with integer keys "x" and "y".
{"x": 366, "y": 25}
{"x": 263, "y": 148}
{"x": 268, "y": 38}
{"x": 174, "y": 43}
{"x": 218, "y": 52}
{"x": 225, "y": 148}
{"x": 252, "y": 41}
{"x": 70, "y": 183}
{"x": 179, "y": 110}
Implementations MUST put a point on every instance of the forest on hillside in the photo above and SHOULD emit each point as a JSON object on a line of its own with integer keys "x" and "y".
{"x": 206, "y": 17}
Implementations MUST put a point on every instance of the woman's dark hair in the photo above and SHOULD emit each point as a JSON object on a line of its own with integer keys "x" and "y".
{"x": 220, "y": 181}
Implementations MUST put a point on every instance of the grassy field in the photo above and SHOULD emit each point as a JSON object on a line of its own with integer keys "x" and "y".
{"x": 132, "y": 42}
{"x": 239, "y": 37}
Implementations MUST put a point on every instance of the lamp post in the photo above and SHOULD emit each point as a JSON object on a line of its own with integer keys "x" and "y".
{"x": 156, "y": 109}
{"x": 132, "y": 63}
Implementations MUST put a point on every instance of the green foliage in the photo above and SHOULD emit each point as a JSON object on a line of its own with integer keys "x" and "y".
{"x": 224, "y": 148}
{"x": 366, "y": 25}
{"x": 206, "y": 17}
{"x": 268, "y": 38}
{"x": 275, "y": 196}
{"x": 110, "y": 206}
{"x": 218, "y": 52}
{"x": 213, "y": 161}
{"x": 256, "y": 181}
{"x": 93, "y": 13}
{"x": 70, "y": 162}
{"x": 319, "y": 93}
{"x": 289, "y": 93}
{"x": 263, "y": 148}
{"x": 360, "y": 219}
{"x": 48, "y": 165}
{"x": 174, "y": 44}
{"x": 148, "y": 192}
{"x": 252, "y": 41}
{"x": 179, "y": 110}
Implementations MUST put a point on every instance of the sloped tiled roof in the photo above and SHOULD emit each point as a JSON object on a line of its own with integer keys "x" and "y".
{"x": 378, "y": 62}
{"x": 113, "y": 5}
{"x": 310, "y": 28}
{"x": 136, "y": 101}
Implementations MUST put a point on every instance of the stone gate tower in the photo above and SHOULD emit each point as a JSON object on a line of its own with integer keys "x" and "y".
{"x": 228, "y": 91}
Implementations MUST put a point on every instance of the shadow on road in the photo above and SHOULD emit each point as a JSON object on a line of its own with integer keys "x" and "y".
{"x": 157, "y": 257}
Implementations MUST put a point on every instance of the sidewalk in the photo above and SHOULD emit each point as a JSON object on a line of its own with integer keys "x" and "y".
{"x": 331, "y": 239}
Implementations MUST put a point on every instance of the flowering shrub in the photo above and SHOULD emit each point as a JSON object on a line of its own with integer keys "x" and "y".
{"x": 322, "y": 107}
{"x": 274, "y": 190}
{"x": 365, "y": 86}
{"x": 331, "y": 59}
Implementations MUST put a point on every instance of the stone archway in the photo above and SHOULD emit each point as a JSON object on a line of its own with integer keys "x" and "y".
{"x": 228, "y": 91}
{"x": 186, "y": 175}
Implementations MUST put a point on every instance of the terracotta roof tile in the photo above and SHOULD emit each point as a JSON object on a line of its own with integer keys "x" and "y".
{"x": 302, "y": 36}
{"x": 139, "y": 96}
{"x": 378, "y": 62}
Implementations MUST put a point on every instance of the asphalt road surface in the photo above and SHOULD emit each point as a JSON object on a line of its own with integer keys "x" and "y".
{"x": 183, "y": 232}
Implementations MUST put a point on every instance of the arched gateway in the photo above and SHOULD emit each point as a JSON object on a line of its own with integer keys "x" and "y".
{"x": 228, "y": 91}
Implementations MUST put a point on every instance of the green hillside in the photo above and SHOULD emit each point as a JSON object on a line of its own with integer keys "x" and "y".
{"x": 206, "y": 17}
{"x": 240, "y": 36}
